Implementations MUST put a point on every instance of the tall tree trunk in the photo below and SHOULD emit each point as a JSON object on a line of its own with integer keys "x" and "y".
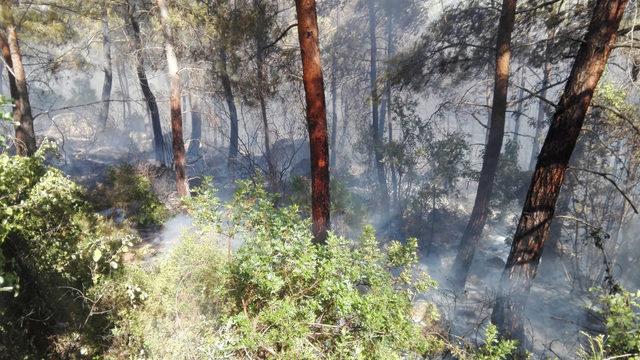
{"x": 107, "y": 67}
{"x": 196, "y": 129}
{"x": 478, "y": 218}
{"x": 334, "y": 99}
{"x": 6, "y": 55}
{"x": 519, "y": 110}
{"x": 25, "y": 134}
{"x": 260, "y": 44}
{"x": 150, "y": 99}
{"x": 533, "y": 228}
{"x": 316, "y": 117}
{"x": 542, "y": 105}
{"x": 233, "y": 113}
{"x": 1, "y": 79}
{"x": 124, "y": 88}
{"x": 391, "y": 50}
{"x": 179, "y": 156}
{"x": 373, "y": 77}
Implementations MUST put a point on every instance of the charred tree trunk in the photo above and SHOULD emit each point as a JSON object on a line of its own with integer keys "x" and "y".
{"x": 233, "y": 112}
{"x": 260, "y": 44}
{"x": 478, "y": 218}
{"x": 179, "y": 156}
{"x": 25, "y": 135}
{"x": 373, "y": 77}
{"x": 533, "y": 228}
{"x": 107, "y": 68}
{"x": 150, "y": 99}
{"x": 316, "y": 117}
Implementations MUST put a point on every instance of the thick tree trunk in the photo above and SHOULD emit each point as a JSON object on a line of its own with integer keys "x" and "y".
{"x": 107, "y": 68}
{"x": 179, "y": 156}
{"x": 533, "y": 228}
{"x": 260, "y": 44}
{"x": 233, "y": 113}
{"x": 150, "y": 99}
{"x": 316, "y": 117}
{"x": 25, "y": 134}
{"x": 478, "y": 218}
{"x": 377, "y": 138}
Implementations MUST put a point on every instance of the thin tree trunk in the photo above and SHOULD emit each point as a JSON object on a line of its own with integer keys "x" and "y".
{"x": 1, "y": 79}
{"x": 316, "y": 117}
{"x": 233, "y": 113}
{"x": 124, "y": 81}
{"x": 391, "y": 50}
{"x": 377, "y": 139}
{"x": 25, "y": 134}
{"x": 533, "y": 228}
{"x": 519, "y": 110}
{"x": 179, "y": 156}
{"x": 107, "y": 67}
{"x": 196, "y": 129}
{"x": 150, "y": 99}
{"x": 260, "y": 44}
{"x": 478, "y": 218}
{"x": 334, "y": 100}
{"x": 542, "y": 105}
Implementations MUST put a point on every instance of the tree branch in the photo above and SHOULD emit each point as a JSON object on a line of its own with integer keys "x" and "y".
{"x": 609, "y": 179}
{"x": 284, "y": 33}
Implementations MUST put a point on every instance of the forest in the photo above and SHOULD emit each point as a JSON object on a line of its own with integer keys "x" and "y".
{"x": 320, "y": 179}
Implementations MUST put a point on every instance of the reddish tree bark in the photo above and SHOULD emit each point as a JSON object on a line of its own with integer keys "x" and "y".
{"x": 179, "y": 156}
{"x": 539, "y": 206}
{"x": 25, "y": 138}
{"x": 6, "y": 55}
{"x": 316, "y": 117}
{"x": 25, "y": 134}
{"x": 478, "y": 218}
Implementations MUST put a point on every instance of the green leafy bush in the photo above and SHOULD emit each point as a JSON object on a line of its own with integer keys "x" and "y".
{"x": 346, "y": 206}
{"x": 128, "y": 189}
{"x": 50, "y": 244}
{"x": 621, "y": 313}
{"x": 279, "y": 295}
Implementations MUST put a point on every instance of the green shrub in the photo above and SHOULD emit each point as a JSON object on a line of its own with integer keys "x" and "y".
{"x": 53, "y": 250}
{"x": 279, "y": 295}
{"x": 128, "y": 189}
{"x": 494, "y": 347}
{"x": 346, "y": 206}
{"x": 621, "y": 313}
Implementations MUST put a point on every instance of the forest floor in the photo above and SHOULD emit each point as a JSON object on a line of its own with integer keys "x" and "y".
{"x": 555, "y": 315}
